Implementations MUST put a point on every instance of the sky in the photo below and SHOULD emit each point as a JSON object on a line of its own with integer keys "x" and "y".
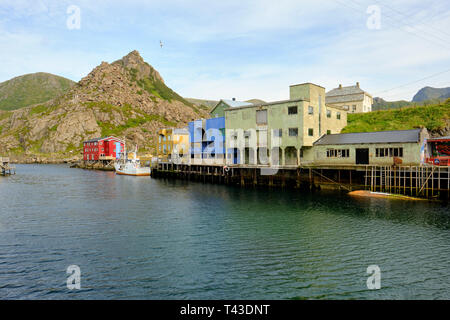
{"x": 241, "y": 49}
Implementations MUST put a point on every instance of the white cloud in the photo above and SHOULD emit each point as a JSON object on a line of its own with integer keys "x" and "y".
{"x": 246, "y": 49}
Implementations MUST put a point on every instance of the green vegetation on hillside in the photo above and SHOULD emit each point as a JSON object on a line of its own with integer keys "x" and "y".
{"x": 380, "y": 104}
{"x": 32, "y": 89}
{"x": 138, "y": 119}
{"x": 156, "y": 87}
{"x": 433, "y": 117}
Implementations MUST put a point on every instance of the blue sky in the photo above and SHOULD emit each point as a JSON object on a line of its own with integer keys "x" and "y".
{"x": 243, "y": 49}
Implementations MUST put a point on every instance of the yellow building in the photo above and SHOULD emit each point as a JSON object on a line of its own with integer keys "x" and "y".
{"x": 173, "y": 144}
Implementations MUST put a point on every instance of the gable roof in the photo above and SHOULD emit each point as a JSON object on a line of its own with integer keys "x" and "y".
{"x": 370, "y": 137}
{"x": 344, "y": 91}
{"x": 345, "y": 94}
{"x": 103, "y": 138}
{"x": 232, "y": 104}
{"x": 235, "y": 104}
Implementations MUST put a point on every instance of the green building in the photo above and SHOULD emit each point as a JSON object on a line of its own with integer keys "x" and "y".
{"x": 219, "y": 109}
{"x": 278, "y": 133}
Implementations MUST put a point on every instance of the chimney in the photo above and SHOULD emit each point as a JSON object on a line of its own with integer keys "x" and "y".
{"x": 234, "y": 99}
{"x": 357, "y": 84}
{"x": 340, "y": 86}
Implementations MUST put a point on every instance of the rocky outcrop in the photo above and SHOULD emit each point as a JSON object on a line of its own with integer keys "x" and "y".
{"x": 127, "y": 98}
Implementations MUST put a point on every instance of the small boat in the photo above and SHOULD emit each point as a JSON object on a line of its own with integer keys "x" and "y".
{"x": 384, "y": 195}
{"x": 131, "y": 167}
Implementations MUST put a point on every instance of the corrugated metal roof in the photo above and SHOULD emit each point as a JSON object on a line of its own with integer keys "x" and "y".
{"x": 439, "y": 138}
{"x": 371, "y": 137}
{"x": 235, "y": 104}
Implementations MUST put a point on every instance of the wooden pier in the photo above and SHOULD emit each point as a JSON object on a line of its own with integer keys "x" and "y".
{"x": 419, "y": 181}
{"x": 5, "y": 167}
{"x": 422, "y": 181}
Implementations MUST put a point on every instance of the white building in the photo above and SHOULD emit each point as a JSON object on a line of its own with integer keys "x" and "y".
{"x": 351, "y": 98}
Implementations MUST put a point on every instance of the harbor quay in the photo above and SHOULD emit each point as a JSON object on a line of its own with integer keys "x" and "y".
{"x": 416, "y": 181}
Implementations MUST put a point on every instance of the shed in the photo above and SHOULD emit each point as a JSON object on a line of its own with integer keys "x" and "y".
{"x": 370, "y": 148}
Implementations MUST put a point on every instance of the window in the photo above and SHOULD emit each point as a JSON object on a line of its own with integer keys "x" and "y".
{"x": 388, "y": 152}
{"x": 247, "y": 134}
{"x": 278, "y": 132}
{"x": 328, "y": 113}
{"x": 338, "y": 153}
{"x": 338, "y": 116}
{"x": 310, "y": 132}
{"x": 354, "y": 107}
{"x": 292, "y": 110}
{"x": 261, "y": 117}
{"x": 328, "y": 131}
{"x": 293, "y": 132}
{"x": 310, "y": 110}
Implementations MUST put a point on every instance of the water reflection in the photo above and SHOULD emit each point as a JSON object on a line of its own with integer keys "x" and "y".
{"x": 168, "y": 239}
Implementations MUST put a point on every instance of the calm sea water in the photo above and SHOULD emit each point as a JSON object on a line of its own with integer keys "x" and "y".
{"x": 141, "y": 238}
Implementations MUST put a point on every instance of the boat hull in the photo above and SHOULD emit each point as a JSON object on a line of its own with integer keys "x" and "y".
{"x": 133, "y": 174}
{"x": 382, "y": 195}
{"x": 132, "y": 170}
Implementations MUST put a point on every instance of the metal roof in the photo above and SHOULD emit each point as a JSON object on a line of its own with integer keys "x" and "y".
{"x": 439, "y": 138}
{"x": 235, "y": 104}
{"x": 103, "y": 138}
{"x": 397, "y": 136}
{"x": 180, "y": 131}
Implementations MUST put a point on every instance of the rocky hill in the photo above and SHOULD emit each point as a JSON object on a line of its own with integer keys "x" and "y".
{"x": 32, "y": 88}
{"x": 425, "y": 96}
{"x": 430, "y": 93}
{"x": 127, "y": 98}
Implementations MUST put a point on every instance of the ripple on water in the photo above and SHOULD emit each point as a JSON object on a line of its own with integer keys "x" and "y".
{"x": 159, "y": 239}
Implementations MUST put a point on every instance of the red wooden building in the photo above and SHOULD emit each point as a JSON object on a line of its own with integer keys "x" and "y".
{"x": 439, "y": 151}
{"x": 107, "y": 148}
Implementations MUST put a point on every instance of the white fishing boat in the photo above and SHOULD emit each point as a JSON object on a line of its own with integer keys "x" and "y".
{"x": 131, "y": 167}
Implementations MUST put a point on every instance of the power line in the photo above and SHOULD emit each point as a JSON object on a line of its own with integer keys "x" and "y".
{"x": 402, "y": 14}
{"x": 412, "y": 82}
{"x": 413, "y": 33}
{"x": 437, "y": 39}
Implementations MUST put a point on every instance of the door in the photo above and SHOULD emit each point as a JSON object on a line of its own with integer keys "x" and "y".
{"x": 235, "y": 156}
{"x": 362, "y": 156}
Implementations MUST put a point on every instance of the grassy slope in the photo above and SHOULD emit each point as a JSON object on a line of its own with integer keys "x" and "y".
{"x": 31, "y": 89}
{"x": 433, "y": 117}
{"x": 387, "y": 105}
